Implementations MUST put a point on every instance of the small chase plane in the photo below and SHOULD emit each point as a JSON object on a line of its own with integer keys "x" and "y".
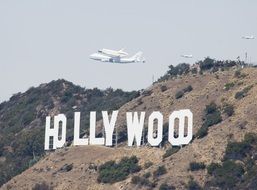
{"x": 114, "y": 56}
{"x": 248, "y": 37}
{"x": 187, "y": 56}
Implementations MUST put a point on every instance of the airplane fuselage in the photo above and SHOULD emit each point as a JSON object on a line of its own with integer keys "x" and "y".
{"x": 105, "y": 58}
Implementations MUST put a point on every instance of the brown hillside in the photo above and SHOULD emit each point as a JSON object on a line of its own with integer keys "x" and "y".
{"x": 206, "y": 89}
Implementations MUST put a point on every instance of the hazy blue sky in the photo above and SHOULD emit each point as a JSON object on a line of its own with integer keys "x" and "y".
{"x": 45, "y": 40}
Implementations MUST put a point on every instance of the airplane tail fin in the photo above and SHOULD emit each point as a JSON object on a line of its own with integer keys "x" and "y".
{"x": 138, "y": 56}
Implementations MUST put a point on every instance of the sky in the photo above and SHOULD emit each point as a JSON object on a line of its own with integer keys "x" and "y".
{"x": 41, "y": 41}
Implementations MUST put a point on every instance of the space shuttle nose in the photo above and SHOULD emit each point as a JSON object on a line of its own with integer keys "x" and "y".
{"x": 92, "y": 56}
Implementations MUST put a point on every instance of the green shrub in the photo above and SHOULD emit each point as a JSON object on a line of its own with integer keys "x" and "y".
{"x": 228, "y": 109}
{"x": 189, "y": 88}
{"x": 241, "y": 94}
{"x": 210, "y": 108}
{"x": 227, "y": 175}
{"x": 42, "y": 186}
{"x": 212, "y": 116}
{"x": 194, "y": 166}
{"x": 66, "y": 168}
{"x": 147, "y": 175}
{"x": 148, "y": 164}
{"x": 228, "y": 86}
{"x": 202, "y": 132}
{"x": 170, "y": 151}
{"x": 238, "y": 74}
{"x": 179, "y": 94}
{"x": 194, "y": 71}
{"x": 193, "y": 185}
{"x": 163, "y": 88}
{"x": 159, "y": 171}
{"x": 142, "y": 181}
{"x": 238, "y": 169}
{"x": 111, "y": 172}
{"x": 237, "y": 150}
{"x": 212, "y": 119}
{"x": 165, "y": 186}
{"x": 212, "y": 167}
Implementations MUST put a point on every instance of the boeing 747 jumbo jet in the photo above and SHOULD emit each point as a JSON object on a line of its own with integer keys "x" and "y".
{"x": 113, "y": 56}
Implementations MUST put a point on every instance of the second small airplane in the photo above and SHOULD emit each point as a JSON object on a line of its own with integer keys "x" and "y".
{"x": 248, "y": 37}
{"x": 187, "y": 56}
{"x": 113, "y": 56}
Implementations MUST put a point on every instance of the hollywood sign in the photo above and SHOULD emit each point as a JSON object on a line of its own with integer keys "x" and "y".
{"x": 135, "y": 124}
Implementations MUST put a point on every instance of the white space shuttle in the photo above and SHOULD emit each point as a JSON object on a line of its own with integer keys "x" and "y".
{"x": 113, "y": 53}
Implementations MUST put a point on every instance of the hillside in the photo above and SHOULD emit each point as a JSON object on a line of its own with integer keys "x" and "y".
{"x": 22, "y": 119}
{"x": 222, "y": 154}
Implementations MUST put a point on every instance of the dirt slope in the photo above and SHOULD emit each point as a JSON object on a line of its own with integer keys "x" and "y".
{"x": 206, "y": 88}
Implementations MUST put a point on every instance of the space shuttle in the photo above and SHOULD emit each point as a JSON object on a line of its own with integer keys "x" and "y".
{"x": 113, "y": 53}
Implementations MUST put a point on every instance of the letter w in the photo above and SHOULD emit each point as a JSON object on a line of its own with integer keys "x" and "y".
{"x": 135, "y": 127}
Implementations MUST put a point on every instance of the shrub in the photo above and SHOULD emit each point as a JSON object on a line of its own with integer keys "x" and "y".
{"x": 212, "y": 167}
{"x": 212, "y": 117}
{"x": 211, "y": 108}
{"x": 159, "y": 171}
{"x": 228, "y": 109}
{"x": 206, "y": 64}
{"x": 66, "y": 168}
{"x": 163, "y": 88}
{"x": 147, "y": 175}
{"x": 141, "y": 181}
{"x": 194, "y": 71}
{"x": 228, "y": 86}
{"x": 227, "y": 175}
{"x": 237, "y": 150}
{"x": 180, "y": 69}
{"x": 179, "y": 94}
{"x": 189, "y": 88}
{"x": 170, "y": 151}
{"x": 42, "y": 186}
{"x": 111, "y": 172}
{"x": 194, "y": 166}
{"x": 232, "y": 173}
{"x": 148, "y": 164}
{"x": 202, "y": 132}
{"x": 193, "y": 185}
{"x": 241, "y": 94}
{"x": 165, "y": 186}
{"x": 237, "y": 74}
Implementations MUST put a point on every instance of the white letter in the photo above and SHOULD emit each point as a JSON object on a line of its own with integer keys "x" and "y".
{"x": 49, "y": 132}
{"x": 180, "y": 140}
{"x": 77, "y": 140}
{"x": 109, "y": 126}
{"x": 57, "y": 119}
{"x": 54, "y": 131}
{"x": 157, "y": 140}
{"x": 135, "y": 127}
{"x": 93, "y": 139}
